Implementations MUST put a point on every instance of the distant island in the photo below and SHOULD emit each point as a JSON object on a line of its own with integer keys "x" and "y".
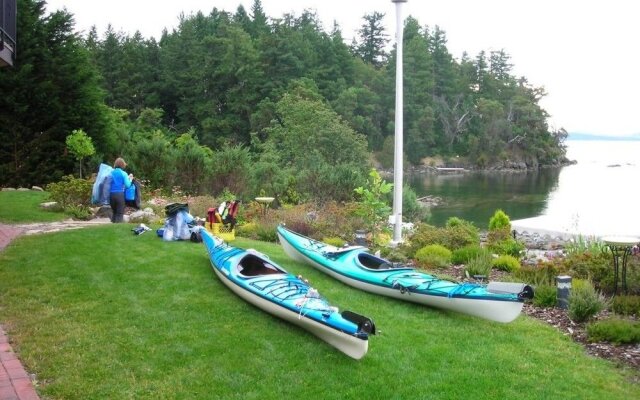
{"x": 586, "y": 136}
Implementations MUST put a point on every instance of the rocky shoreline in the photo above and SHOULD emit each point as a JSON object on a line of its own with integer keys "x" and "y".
{"x": 508, "y": 166}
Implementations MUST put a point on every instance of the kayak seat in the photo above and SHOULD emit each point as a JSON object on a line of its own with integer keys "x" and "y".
{"x": 252, "y": 265}
{"x": 371, "y": 262}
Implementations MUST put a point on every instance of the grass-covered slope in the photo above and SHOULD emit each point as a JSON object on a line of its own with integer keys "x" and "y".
{"x": 101, "y": 313}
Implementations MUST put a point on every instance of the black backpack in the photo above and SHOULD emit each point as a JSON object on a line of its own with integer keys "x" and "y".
{"x": 196, "y": 237}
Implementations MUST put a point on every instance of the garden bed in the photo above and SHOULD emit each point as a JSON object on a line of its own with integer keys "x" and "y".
{"x": 627, "y": 355}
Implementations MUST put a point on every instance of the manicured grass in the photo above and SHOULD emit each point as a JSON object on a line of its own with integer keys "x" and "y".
{"x": 101, "y": 313}
{"x": 24, "y": 206}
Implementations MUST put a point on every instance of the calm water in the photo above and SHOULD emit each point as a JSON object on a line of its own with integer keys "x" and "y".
{"x": 600, "y": 195}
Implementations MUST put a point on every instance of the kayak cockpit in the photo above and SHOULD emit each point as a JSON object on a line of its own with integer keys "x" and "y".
{"x": 372, "y": 262}
{"x": 252, "y": 266}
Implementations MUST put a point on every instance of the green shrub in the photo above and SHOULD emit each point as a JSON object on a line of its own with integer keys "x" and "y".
{"x": 615, "y": 330}
{"x": 247, "y": 230}
{"x": 333, "y": 219}
{"x": 506, "y": 263}
{"x": 595, "y": 267}
{"x": 626, "y": 305}
{"x": 466, "y": 253}
{"x": 451, "y": 237}
{"x": 579, "y": 283}
{"x": 541, "y": 274}
{"x": 545, "y": 296}
{"x": 584, "y": 301}
{"x": 462, "y": 232}
{"x": 454, "y": 221}
{"x": 412, "y": 209}
{"x": 460, "y": 236}
{"x": 508, "y": 246}
{"x": 334, "y": 241}
{"x": 266, "y": 233}
{"x": 423, "y": 235}
{"x": 80, "y": 211}
{"x": 633, "y": 274}
{"x": 500, "y": 221}
{"x": 433, "y": 256}
{"x": 394, "y": 254}
{"x": 479, "y": 265}
{"x": 70, "y": 192}
{"x": 499, "y": 237}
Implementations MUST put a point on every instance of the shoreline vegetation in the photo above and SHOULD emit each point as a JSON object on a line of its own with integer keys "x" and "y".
{"x": 287, "y": 108}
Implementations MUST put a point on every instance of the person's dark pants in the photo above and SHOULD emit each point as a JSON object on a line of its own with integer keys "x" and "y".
{"x": 117, "y": 205}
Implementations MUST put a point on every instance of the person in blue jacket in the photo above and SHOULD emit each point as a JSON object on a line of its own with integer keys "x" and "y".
{"x": 120, "y": 181}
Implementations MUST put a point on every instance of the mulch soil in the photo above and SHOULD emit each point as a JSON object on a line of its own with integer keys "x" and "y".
{"x": 628, "y": 355}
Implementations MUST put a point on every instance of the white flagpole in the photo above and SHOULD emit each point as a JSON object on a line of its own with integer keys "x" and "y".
{"x": 398, "y": 153}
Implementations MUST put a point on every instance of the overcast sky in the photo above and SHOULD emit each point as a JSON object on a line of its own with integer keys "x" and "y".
{"x": 584, "y": 53}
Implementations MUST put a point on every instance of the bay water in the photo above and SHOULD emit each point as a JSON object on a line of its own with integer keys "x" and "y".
{"x": 597, "y": 196}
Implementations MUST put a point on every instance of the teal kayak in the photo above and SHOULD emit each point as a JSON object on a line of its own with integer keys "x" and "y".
{"x": 354, "y": 266}
{"x": 261, "y": 282}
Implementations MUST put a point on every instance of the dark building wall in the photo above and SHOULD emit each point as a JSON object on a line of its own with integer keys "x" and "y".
{"x": 7, "y": 32}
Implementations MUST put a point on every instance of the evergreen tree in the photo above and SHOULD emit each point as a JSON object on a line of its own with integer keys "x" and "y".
{"x": 443, "y": 64}
{"x": 260, "y": 23}
{"x": 139, "y": 79}
{"x": 373, "y": 40}
{"x": 214, "y": 87}
{"x": 109, "y": 58}
{"x": 242, "y": 19}
{"x": 419, "y": 78}
{"x": 357, "y": 106}
{"x": 52, "y": 89}
{"x": 327, "y": 157}
{"x": 224, "y": 75}
{"x": 499, "y": 65}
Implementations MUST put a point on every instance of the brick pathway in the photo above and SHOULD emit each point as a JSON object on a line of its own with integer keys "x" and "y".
{"x": 15, "y": 383}
{"x": 7, "y": 233}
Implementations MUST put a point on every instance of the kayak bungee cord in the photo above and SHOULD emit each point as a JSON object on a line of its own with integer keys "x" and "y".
{"x": 288, "y": 289}
{"x": 463, "y": 289}
{"x": 459, "y": 289}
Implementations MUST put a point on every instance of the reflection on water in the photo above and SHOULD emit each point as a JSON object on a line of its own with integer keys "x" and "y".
{"x": 475, "y": 196}
{"x": 597, "y": 196}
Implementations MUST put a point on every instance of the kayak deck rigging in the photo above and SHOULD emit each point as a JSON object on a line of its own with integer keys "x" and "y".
{"x": 417, "y": 281}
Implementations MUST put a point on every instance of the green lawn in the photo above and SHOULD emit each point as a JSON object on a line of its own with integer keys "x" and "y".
{"x": 100, "y": 313}
{"x": 24, "y": 206}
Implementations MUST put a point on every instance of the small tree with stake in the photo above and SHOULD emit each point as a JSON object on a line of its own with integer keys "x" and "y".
{"x": 80, "y": 145}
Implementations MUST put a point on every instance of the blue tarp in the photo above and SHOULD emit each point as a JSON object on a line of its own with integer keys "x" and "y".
{"x": 102, "y": 185}
{"x": 177, "y": 227}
